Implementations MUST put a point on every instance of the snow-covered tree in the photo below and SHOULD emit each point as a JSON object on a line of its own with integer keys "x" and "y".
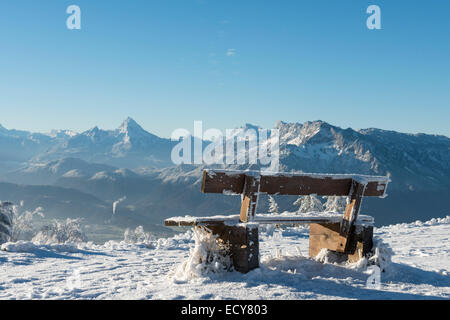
{"x": 15, "y": 223}
{"x": 273, "y": 206}
{"x": 66, "y": 231}
{"x": 308, "y": 203}
{"x": 335, "y": 204}
{"x": 208, "y": 256}
{"x": 6, "y": 216}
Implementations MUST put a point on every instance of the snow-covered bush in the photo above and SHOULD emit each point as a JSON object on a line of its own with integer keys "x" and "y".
{"x": 22, "y": 227}
{"x": 206, "y": 257}
{"x": 6, "y": 216}
{"x": 138, "y": 235}
{"x": 308, "y": 203}
{"x": 68, "y": 231}
{"x": 380, "y": 255}
{"x": 335, "y": 203}
{"x": 328, "y": 256}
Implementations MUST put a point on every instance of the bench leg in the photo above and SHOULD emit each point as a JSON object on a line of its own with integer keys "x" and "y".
{"x": 243, "y": 243}
{"x": 327, "y": 236}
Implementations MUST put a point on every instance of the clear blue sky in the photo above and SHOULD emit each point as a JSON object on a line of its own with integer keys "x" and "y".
{"x": 165, "y": 63}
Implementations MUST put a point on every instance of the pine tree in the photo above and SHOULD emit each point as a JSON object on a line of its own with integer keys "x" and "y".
{"x": 335, "y": 204}
{"x": 298, "y": 202}
{"x": 308, "y": 203}
{"x": 273, "y": 206}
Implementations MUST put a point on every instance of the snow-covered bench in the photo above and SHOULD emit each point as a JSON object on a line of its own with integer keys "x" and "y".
{"x": 349, "y": 234}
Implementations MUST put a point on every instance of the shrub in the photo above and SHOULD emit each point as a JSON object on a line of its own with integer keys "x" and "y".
{"x": 138, "y": 236}
{"x": 68, "y": 231}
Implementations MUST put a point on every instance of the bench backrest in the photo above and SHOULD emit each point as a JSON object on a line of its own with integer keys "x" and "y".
{"x": 233, "y": 182}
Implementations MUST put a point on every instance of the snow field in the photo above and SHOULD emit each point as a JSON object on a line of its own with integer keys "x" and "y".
{"x": 420, "y": 269}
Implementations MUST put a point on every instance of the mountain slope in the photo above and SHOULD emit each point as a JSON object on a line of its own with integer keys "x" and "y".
{"x": 414, "y": 162}
{"x": 17, "y": 147}
{"x": 57, "y": 202}
{"x": 48, "y": 173}
{"x": 128, "y": 146}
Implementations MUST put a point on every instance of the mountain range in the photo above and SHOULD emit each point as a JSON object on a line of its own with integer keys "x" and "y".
{"x": 82, "y": 174}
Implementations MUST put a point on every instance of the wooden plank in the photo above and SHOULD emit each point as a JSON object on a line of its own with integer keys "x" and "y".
{"x": 361, "y": 243}
{"x": 304, "y": 185}
{"x": 351, "y": 213}
{"x": 221, "y": 181}
{"x": 324, "y": 236}
{"x": 249, "y": 198}
{"x": 327, "y": 236}
{"x": 260, "y": 219}
{"x": 196, "y": 222}
{"x": 306, "y": 220}
{"x": 241, "y": 241}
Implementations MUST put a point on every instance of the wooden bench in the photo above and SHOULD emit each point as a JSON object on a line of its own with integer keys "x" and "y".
{"x": 349, "y": 234}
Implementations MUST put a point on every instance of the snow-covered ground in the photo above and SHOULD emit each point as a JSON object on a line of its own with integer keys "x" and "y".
{"x": 420, "y": 269}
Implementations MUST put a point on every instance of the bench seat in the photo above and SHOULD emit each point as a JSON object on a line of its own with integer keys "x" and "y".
{"x": 188, "y": 221}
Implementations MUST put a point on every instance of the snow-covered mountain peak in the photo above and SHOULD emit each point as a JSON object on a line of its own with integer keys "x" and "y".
{"x": 92, "y": 132}
{"x": 130, "y": 127}
{"x": 95, "y": 134}
{"x": 297, "y": 133}
{"x": 61, "y": 133}
{"x": 131, "y": 136}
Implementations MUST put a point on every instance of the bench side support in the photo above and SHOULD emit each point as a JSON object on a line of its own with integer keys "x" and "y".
{"x": 350, "y": 215}
{"x": 249, "y": 198}
{"x": 243, "y": 244}
{"x": 326, "y": 236}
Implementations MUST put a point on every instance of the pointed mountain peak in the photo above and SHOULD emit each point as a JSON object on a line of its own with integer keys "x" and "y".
{"x": 129, "y": 125}
{"x": 280, "y": 123}
{"x": 131, "y": 128}
{"x": 283, "y": 124}
{"x": 319, "y": 126}
{"x": 129, "y": 121}
{"x": 317, "y": 123}
{"x": 93, "y": 132}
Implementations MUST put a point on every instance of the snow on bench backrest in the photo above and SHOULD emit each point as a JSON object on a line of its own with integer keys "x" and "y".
{"x": 232, "y": 182}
